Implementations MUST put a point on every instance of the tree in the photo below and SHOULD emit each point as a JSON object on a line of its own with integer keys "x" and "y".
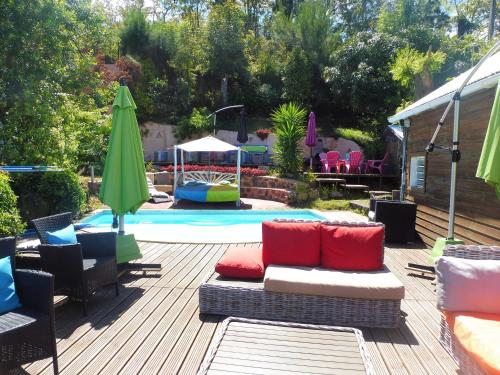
{"x": 415, "y": 70}
{"x": 298, "y": 78}
{"x": 47, "y": 84}
{"x": 135, "y": 33}
{"x": 225, "y": 44}
{"x": 363, "y": 90}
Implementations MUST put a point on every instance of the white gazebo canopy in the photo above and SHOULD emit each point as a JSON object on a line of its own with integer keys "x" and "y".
{"x": 207, "y": 144}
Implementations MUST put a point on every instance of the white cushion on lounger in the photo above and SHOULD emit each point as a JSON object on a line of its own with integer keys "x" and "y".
{"x": 333, "y": 283}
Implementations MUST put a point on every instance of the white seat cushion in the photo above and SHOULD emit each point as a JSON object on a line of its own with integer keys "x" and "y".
{"x": 333, "y": 283}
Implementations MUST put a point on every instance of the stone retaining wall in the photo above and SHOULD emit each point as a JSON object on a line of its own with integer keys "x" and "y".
{"x": 257, "y": 187}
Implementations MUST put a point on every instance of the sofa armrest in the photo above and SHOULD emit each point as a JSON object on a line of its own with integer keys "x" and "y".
{"x": 472, "y": 252}
{"x": 35, "y": 289}
{"x": 95, "y": 245}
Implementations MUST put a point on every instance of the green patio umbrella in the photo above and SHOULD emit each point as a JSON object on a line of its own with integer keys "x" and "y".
{"x": 124, "y": 188}
{"x": 489, "y": 164}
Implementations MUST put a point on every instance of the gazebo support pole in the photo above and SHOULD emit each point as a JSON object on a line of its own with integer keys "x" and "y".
{"x": 238, "y": 175}
{"x": 175, "y": 172}
{"x": 182, "y": 162}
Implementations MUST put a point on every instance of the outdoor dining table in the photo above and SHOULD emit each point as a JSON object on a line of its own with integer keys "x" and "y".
{"x": 251, "y": 346}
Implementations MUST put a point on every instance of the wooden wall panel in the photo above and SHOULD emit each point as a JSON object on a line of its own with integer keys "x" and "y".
{"x": 477, "y": 207}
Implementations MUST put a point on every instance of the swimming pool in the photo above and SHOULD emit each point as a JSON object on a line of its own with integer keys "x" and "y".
{"x": 201, "y": 218}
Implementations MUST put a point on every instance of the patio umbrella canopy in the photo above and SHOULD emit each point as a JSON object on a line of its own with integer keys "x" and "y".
{"x": 311, "y": 135}
{"x": 489, "y": 164}
{"x": 124, "y": 188}
{"x": 242, "y": 130}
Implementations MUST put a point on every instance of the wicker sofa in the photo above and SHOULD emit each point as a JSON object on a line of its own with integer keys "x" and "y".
{"x": 250, "y": 299}
{"x": 466, "y": 362}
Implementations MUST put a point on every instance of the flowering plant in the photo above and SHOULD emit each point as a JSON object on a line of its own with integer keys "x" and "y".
{"x": 263, "y": 133}
{"x": 216, "y": 168}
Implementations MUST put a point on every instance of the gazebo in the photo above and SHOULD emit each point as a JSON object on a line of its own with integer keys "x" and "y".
{"x": 206, "y": 185}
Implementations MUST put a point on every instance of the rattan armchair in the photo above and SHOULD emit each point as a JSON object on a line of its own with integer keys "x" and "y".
{"x": 8, "y": 249}
{"x": 82, "y": 268}
{"x": 50, "y": 224}
{"x": 28, "y": 334}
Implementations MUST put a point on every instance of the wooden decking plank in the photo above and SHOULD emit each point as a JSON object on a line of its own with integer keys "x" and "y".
{"x": 176, "y": 357}
{"x": 137, "y": 351}
{"x": 200, "y": 346}
{"x": 393, "y": 362}
{"x": 125, "y": 349}
{"x": 379, "y": 366}
{"x": 428, "y": 338}
{"x": 238, "y": 368}
{"x": 196, "y": 275}
{"x": 403, "y": 348}
{"x": 197, "y": 252}
{"x": 72, "y": 330}
{"x": 77, "y": 344}
{"x": 156, "y": 342}
{"x": 197, "y": 263}
{"x": 413, "y": 285}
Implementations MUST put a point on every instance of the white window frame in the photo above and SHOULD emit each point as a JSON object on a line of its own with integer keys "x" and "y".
{"x": 417, "y": 172}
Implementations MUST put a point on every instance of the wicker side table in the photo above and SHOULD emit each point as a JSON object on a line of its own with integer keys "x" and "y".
{"x": 251, "y": 346}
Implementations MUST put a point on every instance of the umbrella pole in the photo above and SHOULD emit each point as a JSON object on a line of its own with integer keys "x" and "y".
{"x": 310, "y": 158}
{"x": 455, "y": 157}
{"x": 121, "y": 225}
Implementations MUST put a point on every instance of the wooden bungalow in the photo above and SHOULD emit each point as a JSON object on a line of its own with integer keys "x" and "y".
{"x": 428, "y": 174}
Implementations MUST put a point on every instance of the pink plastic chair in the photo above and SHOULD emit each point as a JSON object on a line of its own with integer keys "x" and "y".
{"x": 377, "y": 165}
{"x": 354, "y": 162}
{"x": 322, "y": 158}
{"x": 331, "y": 161}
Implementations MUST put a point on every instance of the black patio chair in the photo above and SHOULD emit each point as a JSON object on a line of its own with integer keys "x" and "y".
{"x": 27, "y": 334}
{"x": 51, "y": 224}
{"x": 8, "y": 249}
{"x": 82, "y": 268}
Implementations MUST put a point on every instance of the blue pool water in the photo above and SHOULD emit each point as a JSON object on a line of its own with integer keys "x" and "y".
{"x": 201, "y": 217}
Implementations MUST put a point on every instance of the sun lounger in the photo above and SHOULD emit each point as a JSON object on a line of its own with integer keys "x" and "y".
{"x": 155, "y": 195}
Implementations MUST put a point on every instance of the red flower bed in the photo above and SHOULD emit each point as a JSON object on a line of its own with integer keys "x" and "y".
{"x": 215, "y": 168}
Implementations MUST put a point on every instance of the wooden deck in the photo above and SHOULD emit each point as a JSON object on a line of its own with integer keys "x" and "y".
{"x": 154, "y": 326}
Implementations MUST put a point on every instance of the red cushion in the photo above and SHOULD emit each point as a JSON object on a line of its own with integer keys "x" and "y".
{"x": 291, "y": 244}
{"x": 352, "y": 248}
{"x": 241, "y": 262}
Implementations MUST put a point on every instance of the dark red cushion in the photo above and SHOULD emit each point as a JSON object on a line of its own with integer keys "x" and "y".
{"x": 241, "y": 262}
{"x": 291, "y": 244}
{"x": 352, "y": 248}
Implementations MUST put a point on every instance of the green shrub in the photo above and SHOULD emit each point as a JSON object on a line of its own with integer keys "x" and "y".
{"x": 362, "y": 138}
{"x": 10, "y": 220}
{"x": 11, "y": 224}
{"x": 43, "y": 194}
